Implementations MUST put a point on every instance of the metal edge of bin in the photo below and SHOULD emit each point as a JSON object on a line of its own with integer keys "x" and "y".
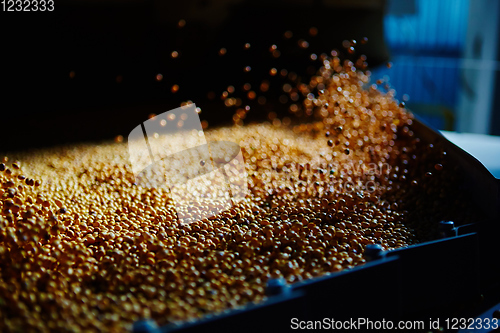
{"x": 484, "y": 192}
{"x": 274, "y": 314}
{"x": 411, "y": 282}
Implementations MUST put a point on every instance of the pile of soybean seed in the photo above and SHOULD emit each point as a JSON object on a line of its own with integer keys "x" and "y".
{"x": 84, "y": 248}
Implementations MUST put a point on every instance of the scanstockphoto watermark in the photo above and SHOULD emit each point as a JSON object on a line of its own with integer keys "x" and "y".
{"x": 170, "y": 151}
{"x": 364, "y": 324}
{"x": 347, "y": 177}
{"x": 204, "y": 179}
{"x": 356, "y": 324}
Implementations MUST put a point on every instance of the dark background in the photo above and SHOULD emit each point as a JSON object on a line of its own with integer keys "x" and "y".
{"x": 87, "y": 71}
